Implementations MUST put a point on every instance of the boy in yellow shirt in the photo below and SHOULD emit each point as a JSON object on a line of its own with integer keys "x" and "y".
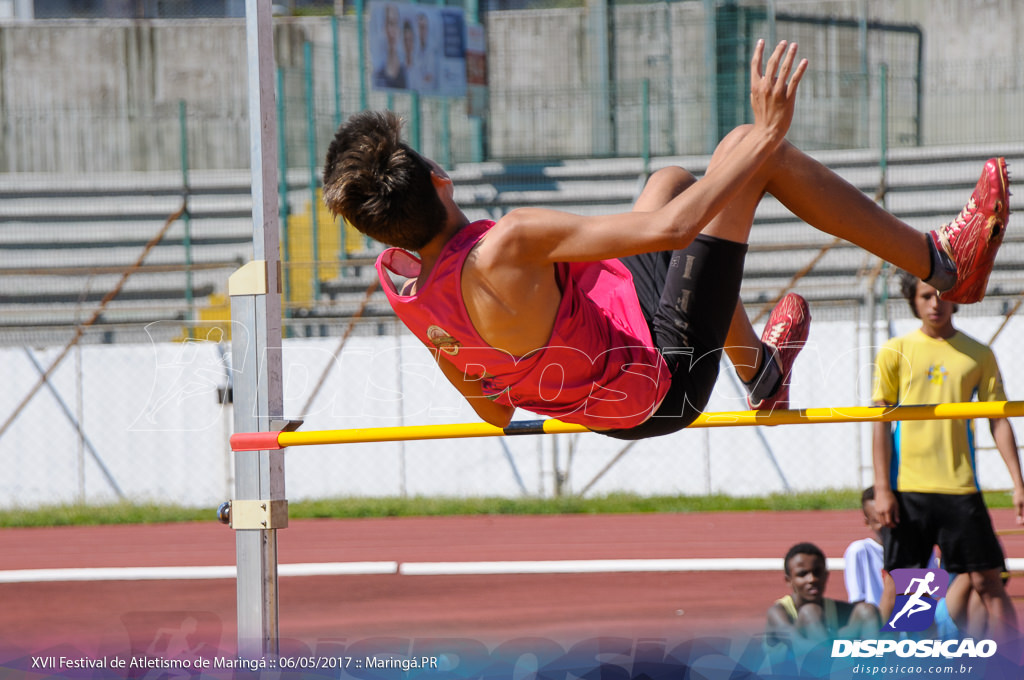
{"x": 926, "y": 486}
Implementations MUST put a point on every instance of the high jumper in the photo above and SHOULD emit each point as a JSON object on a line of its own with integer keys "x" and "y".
{"x": 618, "y": 322}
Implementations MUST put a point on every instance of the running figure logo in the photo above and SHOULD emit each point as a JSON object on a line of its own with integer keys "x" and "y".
{"x": 921, "y": 590}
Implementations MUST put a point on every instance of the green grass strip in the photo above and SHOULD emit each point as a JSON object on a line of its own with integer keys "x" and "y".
{"x": 343, "y": 508}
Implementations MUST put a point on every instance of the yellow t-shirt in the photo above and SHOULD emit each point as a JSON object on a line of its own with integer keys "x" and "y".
{"x": 935, "y": 456}
{"x": 829, "y": 606}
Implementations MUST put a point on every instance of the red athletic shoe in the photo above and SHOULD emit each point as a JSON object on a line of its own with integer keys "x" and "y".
{"x": 785, "y": 334}
{"x": 973, "y": 238}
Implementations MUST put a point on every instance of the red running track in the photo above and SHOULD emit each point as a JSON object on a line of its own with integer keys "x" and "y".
{"x": 315, "y": 611}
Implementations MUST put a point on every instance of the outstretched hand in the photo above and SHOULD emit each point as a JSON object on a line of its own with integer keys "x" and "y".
{"x": 773, "y": 87}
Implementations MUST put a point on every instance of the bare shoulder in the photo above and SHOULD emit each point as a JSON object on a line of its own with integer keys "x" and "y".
{"x": 511, "y": 301}
{"x": 503, "y": 245}
{"x": 500, "y": 252}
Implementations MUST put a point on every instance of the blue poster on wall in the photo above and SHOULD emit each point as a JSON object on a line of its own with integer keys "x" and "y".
{"x": 418, "y": 48}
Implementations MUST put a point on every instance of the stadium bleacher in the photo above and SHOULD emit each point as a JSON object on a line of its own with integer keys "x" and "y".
{"x": 68, "y": 241}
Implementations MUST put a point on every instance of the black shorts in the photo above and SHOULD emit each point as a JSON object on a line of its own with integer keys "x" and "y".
{"x": 688, "y": 298}
{"x": 959, "y": 524}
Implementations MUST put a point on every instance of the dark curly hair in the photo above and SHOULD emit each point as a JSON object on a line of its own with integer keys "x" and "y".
{"x": 802, "y": 549}
{"x": 908, "y": 288}
{"x": 380, "y": 184}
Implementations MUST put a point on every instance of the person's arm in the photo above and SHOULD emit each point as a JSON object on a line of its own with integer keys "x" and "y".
{"x": 1002, "y": 434}
{"x": 885, "y": 392}
{"x": 990, "y": 388}
{"x": 540, "y": 236}
{"x": 802, "y": 635}
{"x": 779, "y": 628}
{"x": 489, "y": 411}
{"x": 881, "y": 458}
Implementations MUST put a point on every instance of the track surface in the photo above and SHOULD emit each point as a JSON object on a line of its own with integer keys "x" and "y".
{"x": 317, "y": 612}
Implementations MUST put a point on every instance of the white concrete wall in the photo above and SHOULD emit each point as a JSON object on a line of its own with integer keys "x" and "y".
{"x": 55, "y": 76}
{"x": 151, "y": 415}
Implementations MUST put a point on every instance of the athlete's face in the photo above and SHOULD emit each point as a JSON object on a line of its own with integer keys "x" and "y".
{"x": 807, "y": 576}
{"x": 936, "y": 315}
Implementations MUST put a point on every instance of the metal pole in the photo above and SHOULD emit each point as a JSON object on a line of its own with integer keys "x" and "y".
{"x": 186, "y": 220}
{"x": 256, "y": 356}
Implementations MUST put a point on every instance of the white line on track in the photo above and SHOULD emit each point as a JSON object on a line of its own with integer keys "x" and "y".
{"x": 769, "y": 564}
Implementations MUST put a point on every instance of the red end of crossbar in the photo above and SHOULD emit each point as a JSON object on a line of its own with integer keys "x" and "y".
{"x": 255, "y": 441}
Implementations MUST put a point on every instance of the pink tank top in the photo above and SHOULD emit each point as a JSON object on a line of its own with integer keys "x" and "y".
{"x": 599, "y": 369}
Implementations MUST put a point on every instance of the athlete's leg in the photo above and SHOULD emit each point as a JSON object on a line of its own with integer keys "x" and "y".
{"x": 956, "y": 258}
{"x": 661, "y": 187}
{"x": 1002, "y": 617}
{"x": 864, "y": 622}
{"x": 958, "y": 597}
{"x": 824, "y": 200}
{"x": 743, "y": 345}
{"x": 764, "y": 373}
{"x": 887, "y": 602}
{"x": 733, "y": 223}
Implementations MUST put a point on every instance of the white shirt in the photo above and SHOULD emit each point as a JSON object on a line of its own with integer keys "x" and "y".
{"x": 862, "y": 571}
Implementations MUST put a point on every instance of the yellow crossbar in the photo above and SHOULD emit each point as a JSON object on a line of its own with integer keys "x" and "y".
{"x": 811, "y": 416}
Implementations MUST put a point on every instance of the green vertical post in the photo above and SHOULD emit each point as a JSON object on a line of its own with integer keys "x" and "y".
{"x": 865, "y": 77}
{"x": 364, "y": 99}
{"x": 415, "y": 119}
{"x": 645, "y": 124}
{"x": 476, "y": 122}
{"x": 282, "y": 191}
{"x": 711, "y": 68}
{"x": 883, "y": 124}
{"x": 670, "y": 114}
{"x": 883, "y": 163}
{"x": 186, "y": 240}
{"x": 336, "y": 60}
{"x": 313, "y": 180}
{"x": 446, "y": 133}
{"x": 415, "y": 122}
{"x": 599, "y": 15}
{"x": 919, "y": 89}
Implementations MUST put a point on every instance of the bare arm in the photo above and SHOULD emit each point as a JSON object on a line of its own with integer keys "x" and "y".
{"x": 539, "y": 236}
{"x": 802, "y": 635}
{"x": 489, "y": 411}
{"x": 779, "y": 627}
{"x": 1002, "y": 434}
{"x": 881, "y": 458}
